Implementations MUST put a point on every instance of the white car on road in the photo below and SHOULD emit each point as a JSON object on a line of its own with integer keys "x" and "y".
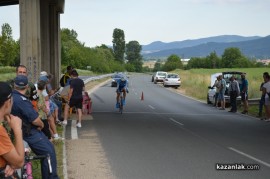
{"x": 159, "y": 76}
{"x": 172, "y": 79}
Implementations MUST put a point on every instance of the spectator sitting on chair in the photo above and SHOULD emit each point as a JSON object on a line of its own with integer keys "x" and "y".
{"x": 11, "y": 156}
{"x": 52, "y": 107}
{"x": 42, "y": 109}
{"x": 32, "y": 126}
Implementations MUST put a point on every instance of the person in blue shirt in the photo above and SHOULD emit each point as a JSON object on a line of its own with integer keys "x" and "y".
{"x": 122, "y": 84}
{"x": 244, "y": 93}
{"x": 31, "y": 127}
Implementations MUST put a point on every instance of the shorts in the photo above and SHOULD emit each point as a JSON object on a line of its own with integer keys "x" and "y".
{"x": 53, "y": 107}
{"x": 221, "y": 96}
{"x": 120, "y": 90}
{"x": 244, "y": 96}
{"x": 266, "y": 101}
{"x": 77, "y": 103}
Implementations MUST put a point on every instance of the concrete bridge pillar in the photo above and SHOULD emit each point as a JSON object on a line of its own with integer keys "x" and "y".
{"x": 40, "y": 42}
{"x": 30, "y": 37}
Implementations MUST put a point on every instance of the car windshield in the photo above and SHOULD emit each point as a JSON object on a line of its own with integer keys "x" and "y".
{"x": 172, "y": 76}
{"x": 161, "y": 74}
{"x": 228, "y": 75}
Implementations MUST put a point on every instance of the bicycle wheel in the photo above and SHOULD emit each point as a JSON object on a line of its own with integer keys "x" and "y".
{"x": 121, "y": 105}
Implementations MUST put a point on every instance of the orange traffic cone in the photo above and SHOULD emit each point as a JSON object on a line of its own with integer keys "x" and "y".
{"x": 142, "y": 97}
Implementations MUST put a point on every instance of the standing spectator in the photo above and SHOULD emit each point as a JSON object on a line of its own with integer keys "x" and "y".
{"x": 266, "y": 93}
{"x": 234, "y": 92}
{"x": 217, "y": 85}
{"x": 32, "y": 126}
{"x": 262, "y": 100}
{"x": 75, "y": 97}
{"x": 64, "y": 81}
{"x": 222, "y": 92}
{"x": 244, "y": 92}
{"x": 11, "y": 156}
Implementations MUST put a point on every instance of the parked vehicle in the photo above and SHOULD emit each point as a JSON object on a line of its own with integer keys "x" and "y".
{"x": 159, "y": 76}
{"x": 172, "y": 79}
{"x": 226, "y": 76}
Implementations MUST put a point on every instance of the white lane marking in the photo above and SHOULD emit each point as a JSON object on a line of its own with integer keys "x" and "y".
{"x": 74, "y": 133}
{"x": 151, "y": 106}
{"x": 249, "y": 156}
{"x": 176, "y": 121}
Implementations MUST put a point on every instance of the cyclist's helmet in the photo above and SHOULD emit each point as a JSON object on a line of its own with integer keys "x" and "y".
{"x": 123, "y": 78}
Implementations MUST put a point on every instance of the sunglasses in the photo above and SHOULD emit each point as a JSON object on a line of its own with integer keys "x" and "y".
{"x": 9, "y": 96}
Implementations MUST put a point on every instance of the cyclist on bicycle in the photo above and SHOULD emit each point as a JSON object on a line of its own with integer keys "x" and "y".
{"x": 122, "y": 84}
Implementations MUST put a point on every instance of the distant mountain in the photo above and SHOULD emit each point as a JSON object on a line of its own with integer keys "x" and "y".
{"x": 159, "y": 46}
{"x": 257, "y": 47}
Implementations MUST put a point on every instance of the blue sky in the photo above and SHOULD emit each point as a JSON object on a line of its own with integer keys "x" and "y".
{"x": 157, "y": 20}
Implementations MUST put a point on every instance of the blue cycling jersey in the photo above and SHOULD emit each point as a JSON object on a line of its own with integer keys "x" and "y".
{"x": 121, "y": 84}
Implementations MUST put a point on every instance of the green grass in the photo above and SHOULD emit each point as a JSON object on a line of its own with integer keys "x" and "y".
{"x": 7, "y": 76}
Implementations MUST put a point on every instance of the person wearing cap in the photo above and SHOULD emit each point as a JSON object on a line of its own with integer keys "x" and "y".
{"x": 52, "y": 108}
{"x": 121, "y": 87}
{"x": 32, "y": 126}
{"x": 11, "y": 156}
{"x": 244, "y": 93}
{"x": 75, "y": 97}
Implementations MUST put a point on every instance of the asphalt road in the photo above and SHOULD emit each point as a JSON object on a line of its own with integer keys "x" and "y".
{"x": 168, "y": 136}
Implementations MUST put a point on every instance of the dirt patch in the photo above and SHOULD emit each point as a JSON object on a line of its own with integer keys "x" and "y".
{"x": 86, "y": 159}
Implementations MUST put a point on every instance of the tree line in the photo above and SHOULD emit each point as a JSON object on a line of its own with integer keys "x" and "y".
{"x": 231, "y": 58}
{"x": 100, "y": 59}
{"x": 121, "y": 57}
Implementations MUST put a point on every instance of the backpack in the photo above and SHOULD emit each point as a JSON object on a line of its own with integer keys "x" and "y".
{"x": 62, "y": 83}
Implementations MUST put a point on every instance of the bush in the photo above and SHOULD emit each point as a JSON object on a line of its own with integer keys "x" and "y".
{"x": 7, "y": 69}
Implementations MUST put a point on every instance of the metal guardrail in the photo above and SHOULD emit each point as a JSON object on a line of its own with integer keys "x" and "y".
{"x": 96, "y": 78}
{"x": 254, "y": 101}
